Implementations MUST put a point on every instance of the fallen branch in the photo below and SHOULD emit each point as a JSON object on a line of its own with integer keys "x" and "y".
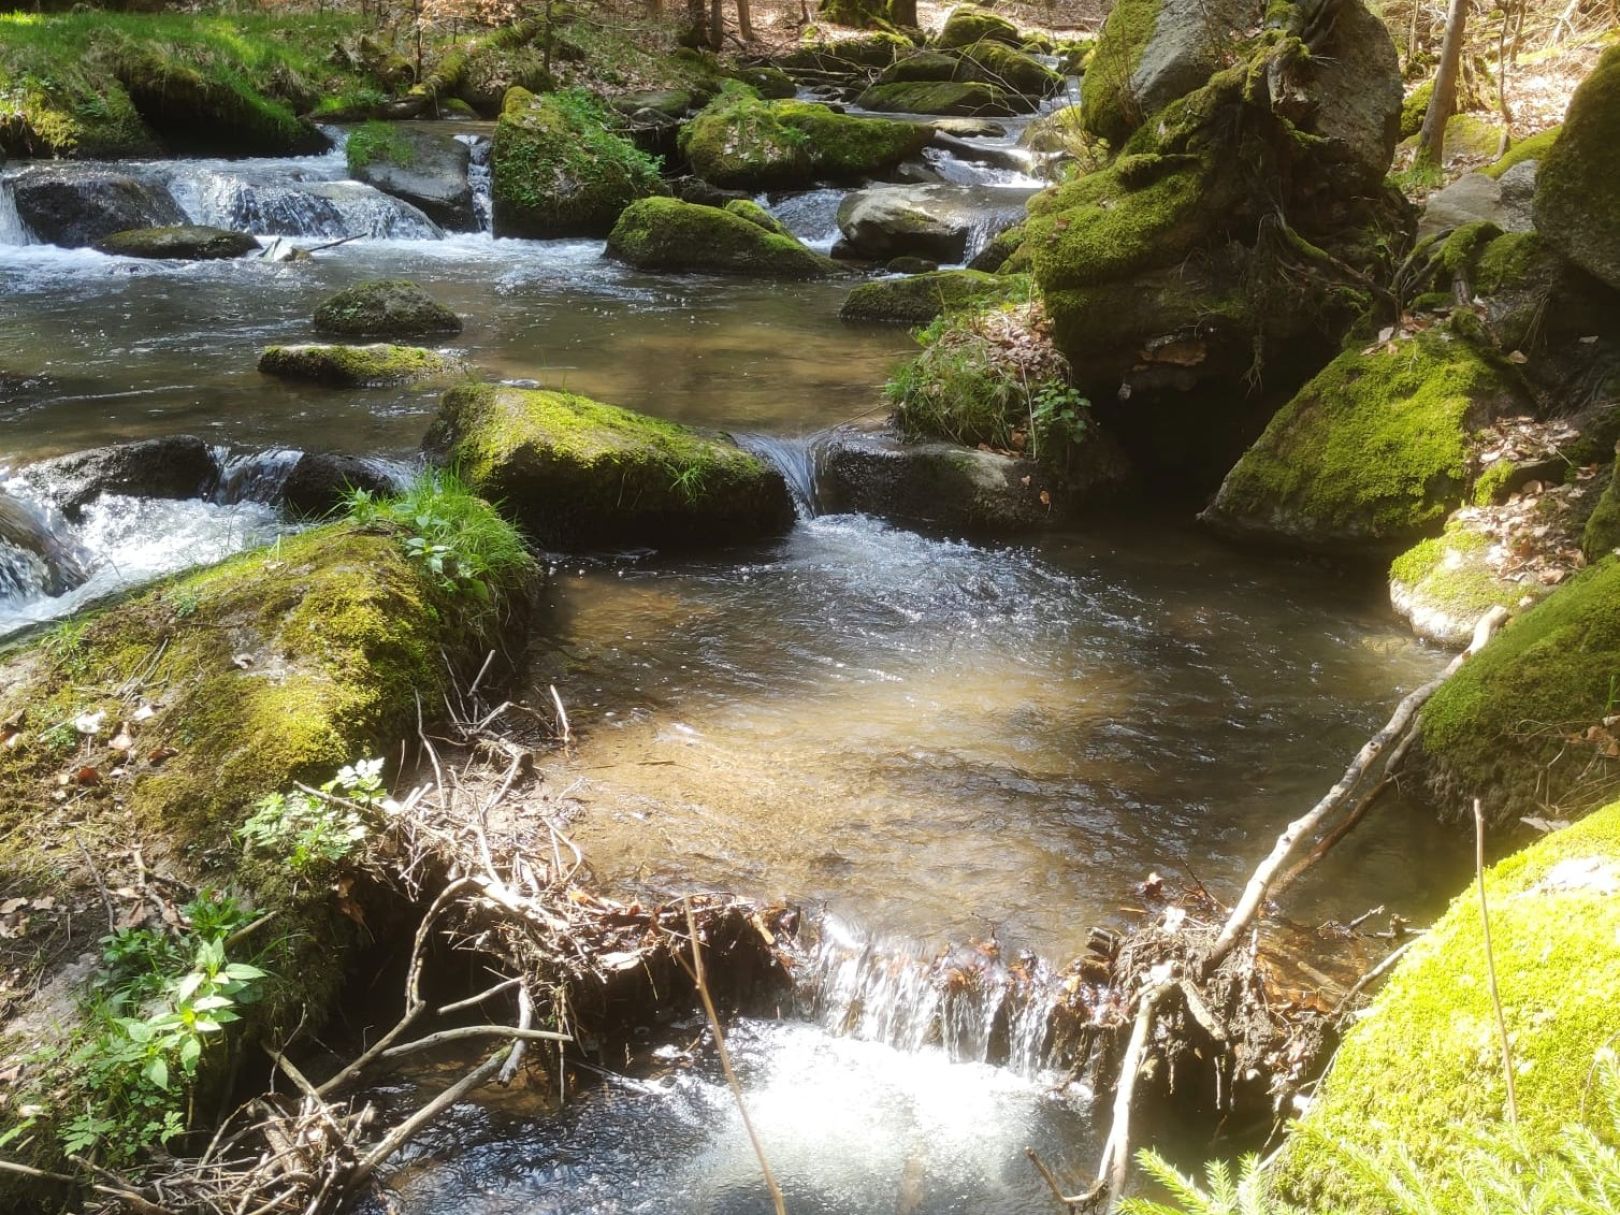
{"x": 1116, "y": 1154}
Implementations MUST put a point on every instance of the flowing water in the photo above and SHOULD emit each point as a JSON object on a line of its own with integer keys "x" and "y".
{"x": 932, "y": 744}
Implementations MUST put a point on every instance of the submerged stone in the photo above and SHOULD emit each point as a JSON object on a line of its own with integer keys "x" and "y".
{"x": 667, "y": 234}
{"x": 74, "y": 207}
{"x": 355, "y": 366}
{"x": 384, "y": 308}
{"x": 186, "y": 242}
{"x": 576, "y": 473}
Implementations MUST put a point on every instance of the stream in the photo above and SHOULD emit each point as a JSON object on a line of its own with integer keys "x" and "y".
{"x": 924, "y": 741}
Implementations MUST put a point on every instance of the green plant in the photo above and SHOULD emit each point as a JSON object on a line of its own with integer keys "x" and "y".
{"x": 1059, "y": 418}
{"x": 313, "y": 831}
{"x": 378, "y": 141}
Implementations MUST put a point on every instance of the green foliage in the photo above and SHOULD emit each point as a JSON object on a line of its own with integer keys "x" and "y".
{"x": 316, "y": 833}
{"x": 378, "y": 141}
{"x": 456, "y": 537}
{"x": 158, "y": 1006}
{"x": 1248, "y": 1194}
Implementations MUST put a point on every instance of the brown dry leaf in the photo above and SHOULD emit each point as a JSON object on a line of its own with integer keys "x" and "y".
{"x": 343, "y": 888}
{"x": 87, "y": 776}
{"x": 1046, "y": 497}
{"x": 11, "y": 905}
{"x": 158, "y": 755}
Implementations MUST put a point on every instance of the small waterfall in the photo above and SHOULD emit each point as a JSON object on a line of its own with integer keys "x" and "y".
{"x": 329, "y": 209}
{"x": 253, "y": 476}
{"x": 795, "y": 459}
{"x": 975, "y": 1004}
{"x": 811, "y": 216}
{"x": 478, "y": 179}
{"x": 12, "y": 229}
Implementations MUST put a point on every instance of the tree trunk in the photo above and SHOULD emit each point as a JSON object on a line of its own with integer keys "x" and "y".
{"x": 745, "y": 23}
{"x": 717, "y": 24}
{"x": 1443, "y": 102}
{"x": 903, "y": 13}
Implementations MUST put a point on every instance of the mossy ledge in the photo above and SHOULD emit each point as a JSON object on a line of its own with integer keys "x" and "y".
{"x": 1422, "y": 1070}
{"x": 356, "y": 366}
{"x": 667, "y": 234}
{"x": 576, "y": 473}
{"x": 278, "y": 665}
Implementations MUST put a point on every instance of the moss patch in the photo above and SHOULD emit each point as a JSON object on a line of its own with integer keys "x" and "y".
{"x": 557, "y": 170}
{"x": 919, "y": 298}
{"x": 968, "y": 25}
{"x": 384, "y": 308}
{"x": 355, "y": 366}
{"x": 1534, "y": 148}
{"x": 378, "y": 143}
{"x": 1443, "y": 585}
{"x": 1577, "y": 204}
{"x": 576, "y": 473}
{"x": 1602, "y": 534}
{"x": 1423, "y": 1069}
{"x": 740, "y": 142}
{"x": 747, "y": 208}
{"x": 667, "y": 234}
{"x": 1507, "y": 728}
{"x": 1373, "y": 452}
{"x": 973, "y": 99}
{"x": 1109, "y": 109}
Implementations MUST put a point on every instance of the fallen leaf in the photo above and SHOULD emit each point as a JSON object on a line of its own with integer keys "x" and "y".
{"x": 122, "y": 742}
{"x": 158, "y": 754}
{"x": 87, "y": 776}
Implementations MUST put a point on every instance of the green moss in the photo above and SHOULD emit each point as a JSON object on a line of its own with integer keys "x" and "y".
{"x": 1460, "y": 249}
{"x": 1422, "y": 1070}
{"x": 184, "y": 242}
{"x": 1492, "y": 484}
{"x": 384, "y": 308}
{"x": 557, "y": 170}
{"x": 874, "y": 50}
{"x": 747, "y": 208}
{"x": 1602, "y": 534}
{"x": 1415, "y": 107}
{"x": 578, "y": 473}
{"x": 1110, "y": 110}
{"x": 919, "y": 298}
{"x": 1510, "y": 260}
{"x": 971, "y": 99}
{"x": 1497, "y": 730}
{"x": 1105, "y": 323}
{"x": 1444, "y": 585}
{"x": 1373, "y": 452}
{"x": 1533, "y": 148}
{"x": 378, "y": 143}
{"x": 741, "y": 142}
{"x": 122, "y": 84}
{"x": 1473, "y": 135}
{"x": 1577, "y": 207}
{"x": 968, "y": 25}
{"x": 1001, "y": 65}
{"x": 667, "y": 234}
{"x": 355, "y": 366}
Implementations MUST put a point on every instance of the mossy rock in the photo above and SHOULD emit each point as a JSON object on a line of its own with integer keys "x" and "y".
{"x": 1577, "y": 203}
{"x": 356, "y": 366}
{"x": 1443, "y": 585}
{"x": 1371, "y": 455}
{"x": 747, "y": 208}
{"x": 967, "y": 100}
{"x": 667, "y": 234}
{"x": 576, "y": 473}
{"x": 1534, "y": 147}
{"x": 767, "y": 81}
{"x": 1602, "y": 535}
{"x": 1415, "y": 107}
{"x": 919, "y": 298}
{"x": 1110, "y": 109}
{"x": 740, "y": 142}
{"x": 1421, "y": 1072}
{"x": 985, "y": 62}
{"x": 276, "y": 666}
{"x": 556, "y": 169}
{"x": 183, "y": 242}
{"x": 390, "y": 307}
{"x": 1509, "y": 727}
{"x": 968, "y": 25}
{"x": 874, "y": 50}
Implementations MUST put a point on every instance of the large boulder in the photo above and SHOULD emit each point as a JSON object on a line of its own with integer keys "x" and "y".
{"x": 385, "y": 308}
{"x": 741, "y": 142}
{"x": 576, "y": 473}
{"x": 187, "y": 242}
{"x": 667, "y": 234}
{"x": 947, "y": 485}
{"x": 971, "y": 99}
{"x": 933, "y": 221}
{"x": 426, "y": 168}
{"x": 1577, "y": 204}
{"x": 988, "y": 62}
{"x": 180, "y": 466}
{"x": 1373, "y": 453}
{"x": 1525, "y": 725}
{"x": 1352, "y": 96}
{"x": 968, "y": 24}
{"x": 918, "y": 298}
{"x": 1475, "y": 198}
{"x": 557, "y": 170}
{"x": 75, "y": 207}
{"x": 1418, "y": 1084}
{"x": 356, "y": 366}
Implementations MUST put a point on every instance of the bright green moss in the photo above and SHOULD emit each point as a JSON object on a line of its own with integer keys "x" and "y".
{"x": 918, "y": 298}
{"x": 1460, "y": 249}
{"x": 1415, "y": 107}
{"x": 1499, "y": 729}
{"x": 741, "y": 142}
{"x": 1492, "y": 484}
{"x": 1602, "y": 534}
{"x": 378, "y": 143}
{"x": 1511, "y": 260}
{"x": 970, "y": 99}
{"x": 667, "y": 234}
{"x": 997, "y": 64}
{"x": 1373, "y": 452}
{"x": 968, "y": 25}
{"x": 355, "y": 366}
{"x": 1422, "y": 1071}
{"x": 1535, "y": 147}
{"x": 557, "y": 170}
{"x": 578, "y": 473}
{"x": 747, "y": 208}
{"x": 1107, "y": 104}
{"x": 1443, "y": 585}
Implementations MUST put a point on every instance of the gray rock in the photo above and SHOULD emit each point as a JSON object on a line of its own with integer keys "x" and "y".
{"x": 431, "y": 175}
{"x": 940, "y": 222}
{"x": 1518, "y": 197}
{"x": 185, "y": 242}
{"x": 320, "y": 481}
{"x": 24, "y": 526}
{"x": 179, "y": 466}
{"x": 74, "y": 207}
{"x": 969, "y": 128}
{"x": 1188, "y": 40}
{"x": 1354, "y": 88}
{"x": 1473, "y": 197}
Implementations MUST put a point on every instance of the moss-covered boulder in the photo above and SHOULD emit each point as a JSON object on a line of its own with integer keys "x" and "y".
{"x": 1373, "y": 453}
{"x": 969, "y": 100}
{"x": 356, "y": 366}
{"x": 426, "y": 168}
{"x": 1578, "y": 181}
{"x": 576, "y": 473}
{"x": 1421, "y": 1072}
{"x": 967, "y": 25}
{"x": 1602, "y": 535}
{"x": 919, "y": 298}
{"x": 1521, "y": 725}
{"x": 1531, "y": 148}
{"x": 842, "y": 56}
{"x": 384, "y": 308}
{"x": 747, "y": 208}
{"x": 987, "y": 62}
{"x": 557, "y": 170}
{"x": 182, "y": 242}
{"x": 741, "y": 142}
{"x": 1444, "y": 584}
{"x": 667, "y": 234}
{"x": 195, "y": 700}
